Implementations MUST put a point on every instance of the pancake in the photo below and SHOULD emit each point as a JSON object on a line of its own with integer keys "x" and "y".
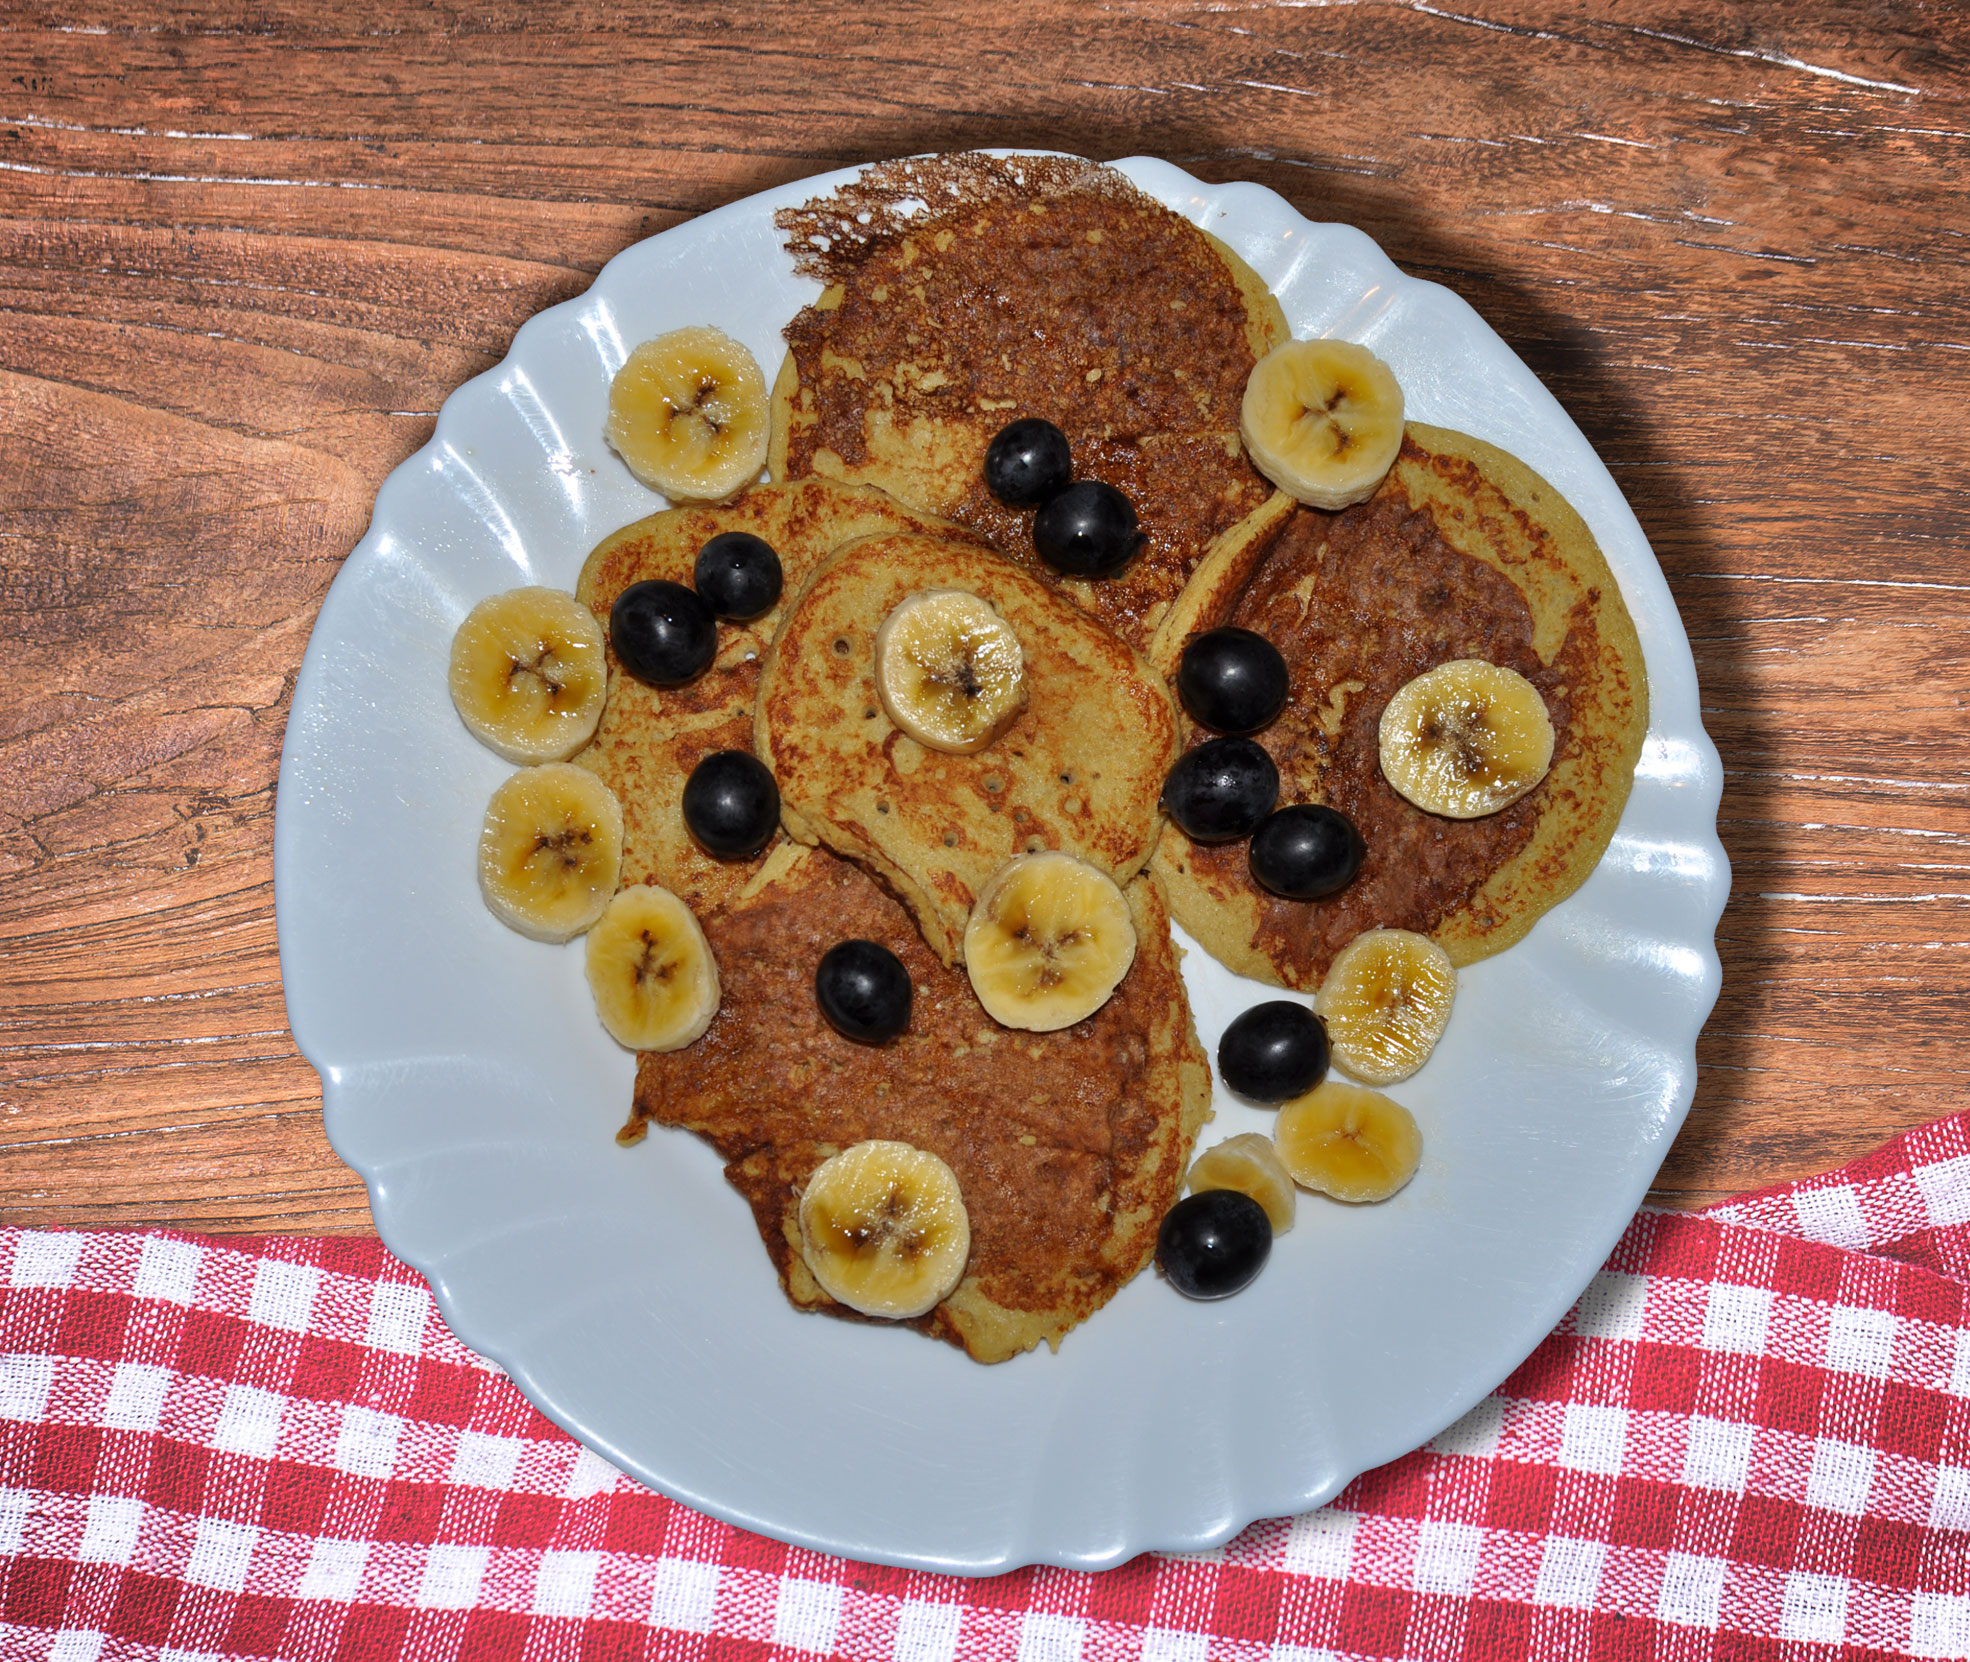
{"x": 967, "y": 291}
{"x": 1464, "y": 552}
{"x": 650, "y": 738}
{"x": 1079, "y": 769}
{"x": 1069, "y": 1147}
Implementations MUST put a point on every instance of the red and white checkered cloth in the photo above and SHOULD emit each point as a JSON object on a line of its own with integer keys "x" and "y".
{"x": 1751, "y": 1438}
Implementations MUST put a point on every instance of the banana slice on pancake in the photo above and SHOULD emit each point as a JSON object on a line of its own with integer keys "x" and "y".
{"x": 1466, "y": 739}
{"x": 1386, "y": 1001}
{"x": 1322, "y": 419}
{"x": 884, "y": 1229}
{"x": 688, "y": 412}
{"x": 528, "y": 675}
{"x": 950, "y": 671}
{"x": 1048, "y": 942}
{"x": 651, "y": 971}
{"x": 1353, "y": 1144}
{"x": 550, "y": 851}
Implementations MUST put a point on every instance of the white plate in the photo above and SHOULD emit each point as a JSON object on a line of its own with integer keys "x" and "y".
{"x": 465, "y": 1076}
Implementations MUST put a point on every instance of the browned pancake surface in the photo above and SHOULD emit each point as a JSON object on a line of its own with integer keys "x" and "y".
{"x": 1463, "y": 553}
{"x": 1030, "y": 287}
{"x": 1068, "y": 1146}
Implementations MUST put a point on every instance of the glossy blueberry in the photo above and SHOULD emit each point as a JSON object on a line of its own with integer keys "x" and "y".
{"x": 1213, "y": 1244}
{"x": 731, "y": 804}
{"x": 1028, "y": 463}
{"x": 662, "y": 632}
{"x": 1088, "y": 530}
{"x": 1306, "y": 851}
{"x": 1274, "y": 1052}
{"x": 1232, "y": 680}
{"x": 1221, "y": 790}
{"x": 864, "y": 991}
{"x": 738, "y": 575}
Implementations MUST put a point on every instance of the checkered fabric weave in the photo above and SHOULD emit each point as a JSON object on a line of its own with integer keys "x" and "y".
{"x": 1750, "y": 1439}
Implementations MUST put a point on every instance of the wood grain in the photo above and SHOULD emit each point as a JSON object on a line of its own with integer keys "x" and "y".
{"x": 245, "y": 253}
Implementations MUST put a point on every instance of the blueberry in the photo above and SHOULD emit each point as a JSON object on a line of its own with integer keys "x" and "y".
{"x": 1213, "y": 1244}
{"x": 1088, "y": 530}
{"x": 1305, "y": 851}
{"x": 731, "y": 804}
{"x": 864, "y": 991}
{"x": 1232, "y": 680}
{"x": 1221, "y": 790}
{"x": 1028, "y": 463}
{"x": 738, "y": 575}
{"x": 1274, "y": 1052}
{"x": 662, "y": 632}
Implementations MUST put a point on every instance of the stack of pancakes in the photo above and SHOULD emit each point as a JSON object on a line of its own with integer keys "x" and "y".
{"x": 962, "y": 293}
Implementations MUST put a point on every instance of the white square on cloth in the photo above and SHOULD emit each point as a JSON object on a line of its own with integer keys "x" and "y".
{"x": 283, "y": 1294}
{"x": 1569, "y": 1571}
{"x": 109, "y": 1532}
{"x": 565, "y": 1583}
{"x": 1736, "y": 1318}
{"x": 220, "y": 1553}
{"x": 451, "y": 1576}
{"x": 927, "y": 1632}
{"x": 167, "y": 1270}
{"x": 1049, "y": 1638}
{"x": 1860, "y": 1341}
{"x": 1815, "y": 1608}
{"x": 136, "y": 1397}
{"x": 684, "y": 1595}
{"x": 249, "y": 1422}
{"x": 1692, "y": 1590}
{"x": 1446, "y": 1557}
{"x": 1718, "y": 1455}
{"x": 807, "y": 1614}
{"x": 46, "y": 1259}
{"x": 1841, "y": 1476}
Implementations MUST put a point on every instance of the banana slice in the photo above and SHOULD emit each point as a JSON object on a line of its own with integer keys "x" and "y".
{"x": 1322, "y": 419}
{"x": 651, "y": 970}
{"x": 950, "y": 670}
{"x": 1049, "y": 940}
{"x": 550, "y": 853}
{"x": 1386, "y": 1001}
{"x": 884, "y": 1229}
{"x": 1466, "y": 739}
{"x": 528, "y": 674}
{"x": 1347, "y": 1142}
{"x": 1250, "y": 1164}
{"x": 688, "y": 413}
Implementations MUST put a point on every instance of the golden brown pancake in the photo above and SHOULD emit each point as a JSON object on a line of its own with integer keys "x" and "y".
{"x": 1079, "y": 769}
{"x": 1027, "y": 286}
{"x": 1464, "y": 552}
{"x": 651, "y": 738}
{"x": 1068, "y": 1146}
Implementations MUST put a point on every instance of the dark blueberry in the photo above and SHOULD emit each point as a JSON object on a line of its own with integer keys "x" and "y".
{"x": 1305, "y": 851}
{"x": 1088, "y": 530}
{"x": 1232, "y": 680}
{"x": 663, "y": 633}
{"x": 864, "y": 991}
{"x": 1221, "y": 790}
{"x": 738, "y": 575}
{"x": 1274, "y": 1052}
{"x": 1028, "y": 463}
{"x": 731, "y": 804}
{"x": 1211, "y": 1245}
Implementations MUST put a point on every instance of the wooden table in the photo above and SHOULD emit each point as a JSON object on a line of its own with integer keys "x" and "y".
{"x": 246, "y": 257}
